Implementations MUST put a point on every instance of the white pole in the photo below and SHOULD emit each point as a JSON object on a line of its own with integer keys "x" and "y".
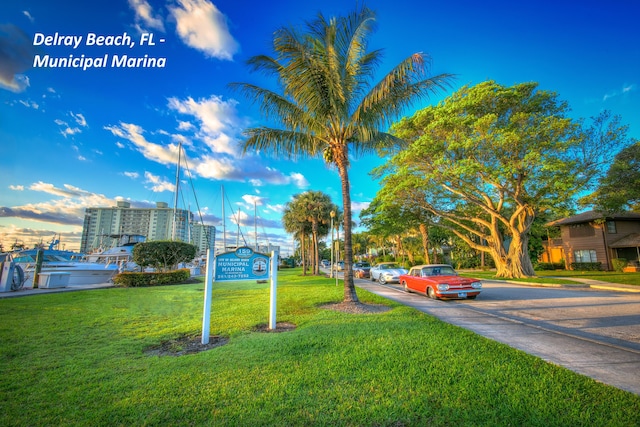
{"x": 274, "y": 288}
{"x": 208, "y": 285}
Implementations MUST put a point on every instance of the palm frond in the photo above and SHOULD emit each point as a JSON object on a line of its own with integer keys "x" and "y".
{"x": 283, "y": 142}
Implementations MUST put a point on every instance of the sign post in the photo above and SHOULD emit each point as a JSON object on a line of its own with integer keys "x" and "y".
{"x": 274, "y": 288}
{"x": 206, "y": 317}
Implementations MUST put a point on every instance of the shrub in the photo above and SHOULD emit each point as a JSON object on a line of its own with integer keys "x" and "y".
{"x": 586, "y": 266}
{"x": 550, "y": 266}
{"x": 619, "y": 264}
{"x": 137, "y": 280}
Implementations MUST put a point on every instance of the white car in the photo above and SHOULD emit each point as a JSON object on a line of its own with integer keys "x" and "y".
{"x": 386, "y": 272}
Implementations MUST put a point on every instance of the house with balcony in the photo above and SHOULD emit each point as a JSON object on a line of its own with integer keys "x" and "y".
{"x": 596, "y": 237}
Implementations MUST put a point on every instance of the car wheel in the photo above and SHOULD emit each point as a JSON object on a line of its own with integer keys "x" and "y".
{"x": 430, "y": 293}
{"x": 381, "y": 280}
{"x": 373, "y": 279}
{"x": 472, "y": 297}
{"x": 406, "y": 288}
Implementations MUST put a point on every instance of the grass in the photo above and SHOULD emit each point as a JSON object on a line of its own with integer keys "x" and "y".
{"x": 565, "y": 277}
{"x": 79, "y": 358}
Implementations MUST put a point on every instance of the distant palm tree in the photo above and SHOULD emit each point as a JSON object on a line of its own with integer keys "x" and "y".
{"x": 327, "y": 105}
{"x": 294, "y": 221}
{"x": 317, "y": 207}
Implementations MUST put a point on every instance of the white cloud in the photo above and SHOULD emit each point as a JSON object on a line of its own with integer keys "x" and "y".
{"x": 252, "y": 200}
{"x": 145, "y": 15}
{"x": 358, "y": 206}
{"x": 165, "y": 155}
{"x": 68, "y": 207}
{"x": 19, "y": 59}
{"x": 218, "y": 121}
{"x": 30, "y": 104}
{"x": 202, "y": 26}
{"x": 185, "y": 126}
{"x": 79, "y": 118}
{"x": 16, "y": 187}
{"x": 626, "y": 88}
{"x": 28, "y": 15}
{"x": 66, "y": 129}
{"x": 275, "y": 208}
{"x": 159, "y": 184}
{"x": 132, "y": 175}
{"x": 299, "y": 180}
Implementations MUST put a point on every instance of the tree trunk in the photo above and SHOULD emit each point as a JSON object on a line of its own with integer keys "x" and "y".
{"x": 514, "y": 263}
{"x": 302, "y": 254}
{"x": 424, "y": 232}
{"x": 349, "y": 286}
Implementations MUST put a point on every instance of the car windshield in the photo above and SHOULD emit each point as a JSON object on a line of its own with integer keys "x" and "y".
{"x": 443, "y": 270}
{"x": 388, "y": 266}
{"x": 362, "y": 264}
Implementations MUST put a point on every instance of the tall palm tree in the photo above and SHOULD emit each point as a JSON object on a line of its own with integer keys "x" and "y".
{"x": 327, "y": 105}
{"x": 317, "y": 207}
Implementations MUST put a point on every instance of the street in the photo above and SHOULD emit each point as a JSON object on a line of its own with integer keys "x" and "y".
{"x": 592, "y": 332}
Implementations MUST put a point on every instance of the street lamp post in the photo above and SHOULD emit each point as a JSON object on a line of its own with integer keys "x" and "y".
{"x": 333, "y": 214}
{"x": 338, "y": 249}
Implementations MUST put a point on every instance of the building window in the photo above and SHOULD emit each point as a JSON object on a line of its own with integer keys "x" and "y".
{"x": 581, "y": 230}
{"x": 586, "y": 255}
{"x": 611, "y": 227}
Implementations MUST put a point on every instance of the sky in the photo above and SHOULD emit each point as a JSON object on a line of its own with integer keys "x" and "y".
{"x": 73, "y": 138}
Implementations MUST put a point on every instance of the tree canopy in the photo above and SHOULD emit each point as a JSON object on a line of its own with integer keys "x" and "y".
{"x": 489, "y": 158}
{"x": 619, "y": 190}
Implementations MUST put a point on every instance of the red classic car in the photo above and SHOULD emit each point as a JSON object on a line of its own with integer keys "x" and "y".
{"x": 440, "y": 281}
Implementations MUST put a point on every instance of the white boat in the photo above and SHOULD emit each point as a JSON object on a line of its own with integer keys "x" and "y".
{"x": 56, "y": 261}
{"x": 120, "y": 256}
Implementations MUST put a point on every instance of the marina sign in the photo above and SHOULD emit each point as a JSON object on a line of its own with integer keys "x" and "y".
{"x": 241, "y": 264}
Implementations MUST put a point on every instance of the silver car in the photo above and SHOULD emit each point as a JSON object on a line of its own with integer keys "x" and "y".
{"x": 386, "y": 272}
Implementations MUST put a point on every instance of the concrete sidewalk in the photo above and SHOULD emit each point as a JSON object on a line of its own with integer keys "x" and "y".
{"x": 583, "y": 283}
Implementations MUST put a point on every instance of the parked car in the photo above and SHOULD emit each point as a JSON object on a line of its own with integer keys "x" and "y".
{"x": 386, "y": 272}
{"x": 361, "y": 270}
{"x": 440, "y": 281}
{"x": 339, "y": 266}
{"x": 325, "y": 263}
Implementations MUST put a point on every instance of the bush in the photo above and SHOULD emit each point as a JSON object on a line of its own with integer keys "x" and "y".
{"x": 137, "y": 280}
{"x": 163, "y": 254}
{"x": 619, "y": 264}
{"x": 586, "y": 266}
{"x": 550, "y": 266}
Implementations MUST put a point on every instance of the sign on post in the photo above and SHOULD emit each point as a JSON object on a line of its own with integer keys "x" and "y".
{"x": 241, "y": 264}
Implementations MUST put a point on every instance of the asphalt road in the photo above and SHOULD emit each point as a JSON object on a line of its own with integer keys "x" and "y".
{"x": 592, "y": 332}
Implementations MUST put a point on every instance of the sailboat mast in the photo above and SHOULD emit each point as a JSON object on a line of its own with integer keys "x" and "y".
{"x": 224, "y": 224}
{"x": 175, "y": 203}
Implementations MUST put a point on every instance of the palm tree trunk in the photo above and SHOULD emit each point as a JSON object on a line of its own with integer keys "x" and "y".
{"x": 349, "y": 286}
{"x": 424, "y": 232}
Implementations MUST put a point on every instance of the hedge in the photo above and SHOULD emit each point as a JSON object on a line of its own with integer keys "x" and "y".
{"x": 136, "y": 280}
{"x": 586, "y": 266}
{"x": 550, "y": 266}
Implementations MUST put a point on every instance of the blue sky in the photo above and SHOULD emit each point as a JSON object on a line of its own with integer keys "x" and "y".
{"x": 74, "y": 138}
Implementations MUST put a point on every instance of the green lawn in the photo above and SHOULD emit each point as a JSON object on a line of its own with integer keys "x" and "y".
{"x": 566, "y": 277}
{"x": 78, "y": 358}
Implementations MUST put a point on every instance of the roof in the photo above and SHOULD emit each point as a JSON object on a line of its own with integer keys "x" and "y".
{"x": 593, "y": 215}
{"x": 629, "y": 241}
